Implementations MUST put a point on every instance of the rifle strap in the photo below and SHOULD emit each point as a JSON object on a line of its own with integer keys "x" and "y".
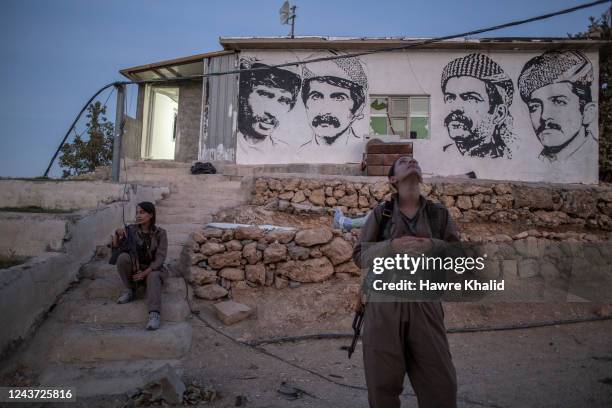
{"x": 387, "y": 213}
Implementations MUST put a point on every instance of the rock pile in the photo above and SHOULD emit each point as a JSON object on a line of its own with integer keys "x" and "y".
{"x": 538, "y": 204}
{"x": 222, "y": 259}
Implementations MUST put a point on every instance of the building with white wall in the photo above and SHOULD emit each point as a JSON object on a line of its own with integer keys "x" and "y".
{"x": 506, "y": 109}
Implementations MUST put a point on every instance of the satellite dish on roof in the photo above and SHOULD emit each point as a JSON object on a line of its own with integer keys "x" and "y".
{"x": 285, "y": 13}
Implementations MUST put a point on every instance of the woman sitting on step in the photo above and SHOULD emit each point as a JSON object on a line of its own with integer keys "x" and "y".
{"x": 144, "y": 262}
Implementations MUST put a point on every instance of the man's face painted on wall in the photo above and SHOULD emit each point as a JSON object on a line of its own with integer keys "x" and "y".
{"x": 555, "y": 114}
{"x": 328, "y": 108}
{"x": 469, "y": 122}
{"x": 266, "y": 106}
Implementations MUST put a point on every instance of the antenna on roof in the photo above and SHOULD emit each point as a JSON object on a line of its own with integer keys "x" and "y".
{"x": 287, "y": 12}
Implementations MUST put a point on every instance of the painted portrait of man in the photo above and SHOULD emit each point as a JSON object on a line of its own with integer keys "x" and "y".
{"x": 478, "y": 94}
{"x": 556, "y": 86}
{"x": 266, "y": 94}
{"x": 334, "y": 95}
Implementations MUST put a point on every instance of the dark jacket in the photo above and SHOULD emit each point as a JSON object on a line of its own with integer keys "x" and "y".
{"x": 159, "y": 246}
{"x": 369, "y": 246}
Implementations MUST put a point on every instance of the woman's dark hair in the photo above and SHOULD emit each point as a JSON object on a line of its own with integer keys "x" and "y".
{"x": 149, "y": 208}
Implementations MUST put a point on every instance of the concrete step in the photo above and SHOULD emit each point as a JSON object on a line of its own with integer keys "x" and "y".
{"x": 102, "y": 270}
{"x": 157, "y": 164}
{"x": 204, "y": 200}
{"x": 197, "y": 193}
{"x": 174, "y": 252}
{"x": 177, "y": 237}
{"x": 111, "y": 287}
{"x": 105, "y": 311}
{"x": 198, "y": 219}
{"x": 90, "y": 343}
{"x": 186, "y": 228}
{"x": 104, "y": 378}
{"x": 99, "y": 269}
{"x": 178, "y": 178}
{"x": 203, "y": 210}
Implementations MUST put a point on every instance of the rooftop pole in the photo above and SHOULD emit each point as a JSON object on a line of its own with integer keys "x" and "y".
{"x": 293, "y": 21}
{"x": 118, "y": 136}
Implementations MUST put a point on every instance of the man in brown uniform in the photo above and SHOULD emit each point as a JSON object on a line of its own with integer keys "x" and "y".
{"x": 402, "y": 336}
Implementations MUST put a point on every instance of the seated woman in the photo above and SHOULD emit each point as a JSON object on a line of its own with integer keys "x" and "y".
{"x": 144, "y": 263}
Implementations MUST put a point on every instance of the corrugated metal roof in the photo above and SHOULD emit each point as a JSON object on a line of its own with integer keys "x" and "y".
{"x": 168, "y": 69}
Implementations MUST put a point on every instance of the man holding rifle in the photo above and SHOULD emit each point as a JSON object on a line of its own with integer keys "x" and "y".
{"x": 402, "y": 336}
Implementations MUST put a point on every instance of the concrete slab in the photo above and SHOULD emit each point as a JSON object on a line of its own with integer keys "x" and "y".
{"x": 230, "y": 312}
{"x": 88, "y": 343}
{"x": 108, "y": 378}
{"x": 103, "y": 311}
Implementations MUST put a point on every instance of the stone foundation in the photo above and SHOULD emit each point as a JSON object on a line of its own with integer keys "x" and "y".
{"x": 246, "y": 257}
{"x": 537, "y": 266}
{"x": 536, "y": 204}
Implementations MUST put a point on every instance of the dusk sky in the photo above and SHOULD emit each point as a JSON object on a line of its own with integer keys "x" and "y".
{"x": 57, "y": 53}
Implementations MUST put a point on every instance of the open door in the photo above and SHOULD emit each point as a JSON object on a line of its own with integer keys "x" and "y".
{"x": 159, "y": 134}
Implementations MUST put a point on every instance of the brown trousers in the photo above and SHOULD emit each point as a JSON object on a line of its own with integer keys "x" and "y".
{"x": 408, "y": 337}
{"x": 154, "y": 281}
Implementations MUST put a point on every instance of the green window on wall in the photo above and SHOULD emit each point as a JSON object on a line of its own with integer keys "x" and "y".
{"x": 405, "y": 116}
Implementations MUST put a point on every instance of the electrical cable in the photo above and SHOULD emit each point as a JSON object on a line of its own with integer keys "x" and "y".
{"x": 46, "y": 174}
{"x": 109, "y": 95}
{"x": 256, "y": 345}
{"x": 330, "y": 58}
{"x": 386, "y": 49}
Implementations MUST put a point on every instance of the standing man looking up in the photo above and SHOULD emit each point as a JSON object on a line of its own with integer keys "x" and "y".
{"x": 401, "y": 336}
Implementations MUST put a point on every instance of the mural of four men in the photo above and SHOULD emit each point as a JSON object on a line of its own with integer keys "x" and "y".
{"x": 555, "y": 86}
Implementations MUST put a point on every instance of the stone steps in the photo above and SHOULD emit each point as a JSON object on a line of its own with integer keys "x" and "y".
{"x": 92, "y": 343}
{"x": 100, "y": 347}
{"x": 108, "y": 378}
{"x": 97, "y": 346}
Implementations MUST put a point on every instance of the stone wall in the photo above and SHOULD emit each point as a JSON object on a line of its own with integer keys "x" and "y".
{"x": 540, "y": 266}
{"x": 536, "y": 266}
{"x": 537, "y": 204}
{"x": 245, "y": 257}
